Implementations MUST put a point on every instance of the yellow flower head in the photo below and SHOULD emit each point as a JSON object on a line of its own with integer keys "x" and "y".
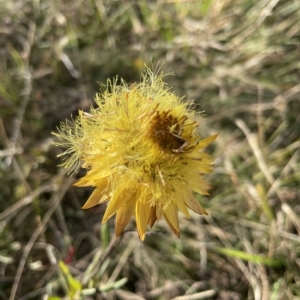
{"x": 142, "y": 151}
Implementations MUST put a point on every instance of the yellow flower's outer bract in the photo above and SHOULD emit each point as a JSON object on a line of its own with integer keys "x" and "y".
{"x": 142, "y": 151}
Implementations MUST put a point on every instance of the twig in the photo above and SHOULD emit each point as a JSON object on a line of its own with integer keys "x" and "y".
{"x": 11, "y": 151}
{"x": 122, "y": 260}
{"x": 256, "y": 150}
{"x": 19, "y": 118}
{"x": 197, "y": 296}
{"x": 113, "y": 243}
{"x": 48, "y": 187}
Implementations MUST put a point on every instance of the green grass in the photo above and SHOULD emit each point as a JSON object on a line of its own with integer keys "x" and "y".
{"x": 239, "y": 60}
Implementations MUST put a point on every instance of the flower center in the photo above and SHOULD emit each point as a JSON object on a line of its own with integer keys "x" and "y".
{"x": 166, "y": 131}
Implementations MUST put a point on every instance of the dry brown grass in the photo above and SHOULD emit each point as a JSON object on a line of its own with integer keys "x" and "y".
{"x": 239, "y": 61}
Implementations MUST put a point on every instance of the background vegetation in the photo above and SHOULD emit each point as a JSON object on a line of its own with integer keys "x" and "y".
{"x": 240, "y": 61}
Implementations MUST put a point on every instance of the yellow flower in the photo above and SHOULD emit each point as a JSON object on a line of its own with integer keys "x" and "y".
{"x": 142, "y": 151}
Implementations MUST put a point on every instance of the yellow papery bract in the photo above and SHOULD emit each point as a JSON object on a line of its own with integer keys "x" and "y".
{"x": 142, "y": 214}
{"x": 171, "y": 216}
{"x": 152, "y": 218}
{"x": 119, "y": 198}
{"x": 97, "y": 197}
{"x": 182, "y": 198}
{"x": 124, "y": 214}
{"x": 142, "y": 151}
{"x": 205, "y": 142}
{"x": 194, "y": 205}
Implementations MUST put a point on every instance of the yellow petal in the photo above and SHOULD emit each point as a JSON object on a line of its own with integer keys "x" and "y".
{"x": 180, "y": 193}
{"x": 84, "y": 181}
{"x": 171, "y": 217}
{"x": 204, "y": 143}
{"x": 194, "y": 205}
{"x": 152, "y": 218}
{"x": 142, "y": 214}
{"x": 85, "y": 165}
{"x": 98, "y": 196}
{"x": 158, "y": 212}
{"x": 124, "y": 215}
{"x": 182, "y": 206}
{"x": 205, "y": 157}
{"x": 205, "y": 168}
{"x": 119, "y": 198}
{"x": 198, "y": 185}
